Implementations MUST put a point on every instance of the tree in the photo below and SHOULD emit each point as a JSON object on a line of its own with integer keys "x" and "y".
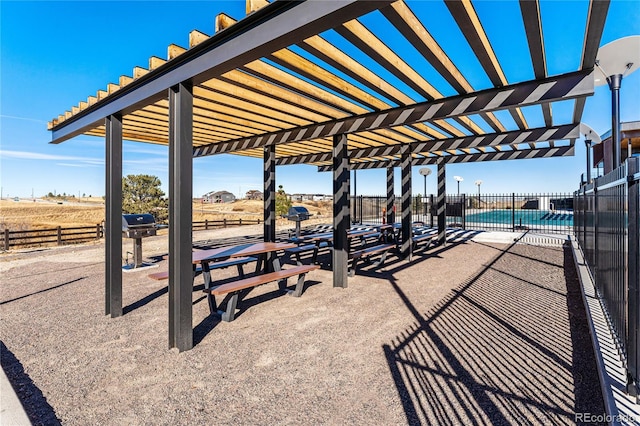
{"x": 283, "y": 203}
{"x": 142, "y": 194}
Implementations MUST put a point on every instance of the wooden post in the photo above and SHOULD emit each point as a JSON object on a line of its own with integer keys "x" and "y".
{"x": 6, "y": 239}
{"x": 59, "y": 236}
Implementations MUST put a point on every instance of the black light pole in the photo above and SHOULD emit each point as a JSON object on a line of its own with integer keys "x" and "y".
{"x": 587, "y": 142}
{"x": 458, "y": 179}
{"x": 614, "y": 84}
{"x": 425, "y": 171}
{"x": 615, "y": 60}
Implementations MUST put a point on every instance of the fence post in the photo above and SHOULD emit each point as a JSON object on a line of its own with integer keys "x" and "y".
{"x": 97, "y": 231}
{"x": 464, "y": 211}
{"x": 633, "y": 277}
{"x": 240, "y": 222}
{"x": 6, "y": 239}
{"x": 224, "y": 222}
{"x": 513, "y": 211}
{"x": 59, "y": 236}
{"x": 206, "y": 224}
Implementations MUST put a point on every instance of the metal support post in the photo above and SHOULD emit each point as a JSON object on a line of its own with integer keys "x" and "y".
{"x": 405, "y": 249}
{"x": 390, "y": 197}
{"x": 614, "y": 85}
{"x": 180, "y": 216}
{"x": 442, "y": 202}
{"x": 269, "y": 200}
{"x": 341, "y": 219}
{"x": 355, "y": 196}
{"x": 113, "y": 216}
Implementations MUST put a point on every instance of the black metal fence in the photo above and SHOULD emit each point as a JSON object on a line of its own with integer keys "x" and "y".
{"x": 607, "y": 215}
{"x": 545, "y": 213}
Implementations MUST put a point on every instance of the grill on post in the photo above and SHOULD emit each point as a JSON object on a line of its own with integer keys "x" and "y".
{"x": 137, "y": 227}
{"x": 298, "y": 214}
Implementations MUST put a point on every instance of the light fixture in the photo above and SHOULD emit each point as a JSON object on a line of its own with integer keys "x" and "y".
{"x": 616, "y": 60}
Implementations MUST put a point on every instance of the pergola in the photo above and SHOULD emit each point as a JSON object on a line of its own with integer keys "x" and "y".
{"x": 283, "y": 84}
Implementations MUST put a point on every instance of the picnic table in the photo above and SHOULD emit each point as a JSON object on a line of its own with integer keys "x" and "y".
{"x": 314, "y": 242}
{"x": 268, "y": 269}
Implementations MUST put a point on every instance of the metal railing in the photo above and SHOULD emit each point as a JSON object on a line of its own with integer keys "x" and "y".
{"x": 544, "y": 213}
{"x": 607, "y": 215}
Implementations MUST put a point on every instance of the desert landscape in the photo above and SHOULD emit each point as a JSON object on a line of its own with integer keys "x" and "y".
{"x": 46, "y": 213}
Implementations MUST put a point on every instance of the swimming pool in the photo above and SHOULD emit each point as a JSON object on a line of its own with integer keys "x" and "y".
{"x": 524, "y": 217}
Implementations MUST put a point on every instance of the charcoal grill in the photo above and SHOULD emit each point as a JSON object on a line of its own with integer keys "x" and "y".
{"x": 298, "y": 214}
{"x": 137, "y": 227}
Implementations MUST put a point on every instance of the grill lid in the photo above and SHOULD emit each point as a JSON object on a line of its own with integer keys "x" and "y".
{"x": 298, "y": 213}
{"x": 132, "y": 221}
{"x": 294, "y": 210}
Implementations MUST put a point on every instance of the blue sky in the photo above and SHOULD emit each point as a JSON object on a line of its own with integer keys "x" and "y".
{"x": 54, "y": 54}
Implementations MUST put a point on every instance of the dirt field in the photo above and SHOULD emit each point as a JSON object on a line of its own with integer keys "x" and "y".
{"x": 28, "y": 214}
{"x": 463, "y": 334}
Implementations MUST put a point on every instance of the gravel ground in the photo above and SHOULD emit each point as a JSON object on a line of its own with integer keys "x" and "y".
{"x": 470, "y": 333}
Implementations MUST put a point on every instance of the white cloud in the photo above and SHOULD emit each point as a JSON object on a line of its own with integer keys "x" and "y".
{"x": 87, "y": 164}
{"x": 26, "y": 155}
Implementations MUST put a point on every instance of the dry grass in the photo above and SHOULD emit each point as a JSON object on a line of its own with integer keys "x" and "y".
{"x": 26, "y": 214}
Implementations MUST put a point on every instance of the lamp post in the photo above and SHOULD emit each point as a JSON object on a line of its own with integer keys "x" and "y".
{"x": 615, "y": 60}
{"x": 590, "y": 138}
{"x": 458, "y": 179}
{"x": 425, "y": 171}
{"x": 478, "y": 182}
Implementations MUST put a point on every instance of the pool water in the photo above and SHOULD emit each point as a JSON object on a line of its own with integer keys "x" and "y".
{"x": 528, "y": 217}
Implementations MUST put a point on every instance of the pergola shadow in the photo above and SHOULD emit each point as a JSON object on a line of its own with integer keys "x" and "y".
{"x": 498, "y": 349}
{"x": 208, "y": 323}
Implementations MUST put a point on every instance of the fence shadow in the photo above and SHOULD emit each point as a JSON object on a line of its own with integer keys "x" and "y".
{"x": 508, "y": 346}
{"x": 39, "y": 411}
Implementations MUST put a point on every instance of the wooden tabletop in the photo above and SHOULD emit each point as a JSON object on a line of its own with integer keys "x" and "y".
{"x": 216, "y": 253}
{"x": 259, "y": 248}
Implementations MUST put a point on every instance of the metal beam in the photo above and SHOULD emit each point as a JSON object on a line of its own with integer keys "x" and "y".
{"x": 530, "y": 11}
{"x": 341, "y": 215}
{"x": 593, "y": 34}
{"x": 541, "y": 134}
{"x": 563, "y": 87}
{"x": 564, "y": 151}
{"x": 113, "y": 216}
{"x": 269, "y": 29}
{"x": 180, "y": 216}
{"x": 405, "y": 249}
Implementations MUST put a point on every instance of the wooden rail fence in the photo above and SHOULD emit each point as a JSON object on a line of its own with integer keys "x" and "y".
{"x": 60, "y": 236}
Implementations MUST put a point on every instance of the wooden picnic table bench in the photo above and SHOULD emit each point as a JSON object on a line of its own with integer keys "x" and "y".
{"x": 366, "y": 255}
{"x": 422, "y": 239}
{"x": 240, "y": 288}
{"x": 198, "y": 268}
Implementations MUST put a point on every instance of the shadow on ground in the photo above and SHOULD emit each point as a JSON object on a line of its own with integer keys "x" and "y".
{"x": 509, "y": 346}
{"x": 35, "y": 404}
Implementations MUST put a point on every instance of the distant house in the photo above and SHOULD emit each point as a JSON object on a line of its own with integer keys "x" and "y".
{"x": 253, "y": 195}
{"x": 219, "y": 197}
